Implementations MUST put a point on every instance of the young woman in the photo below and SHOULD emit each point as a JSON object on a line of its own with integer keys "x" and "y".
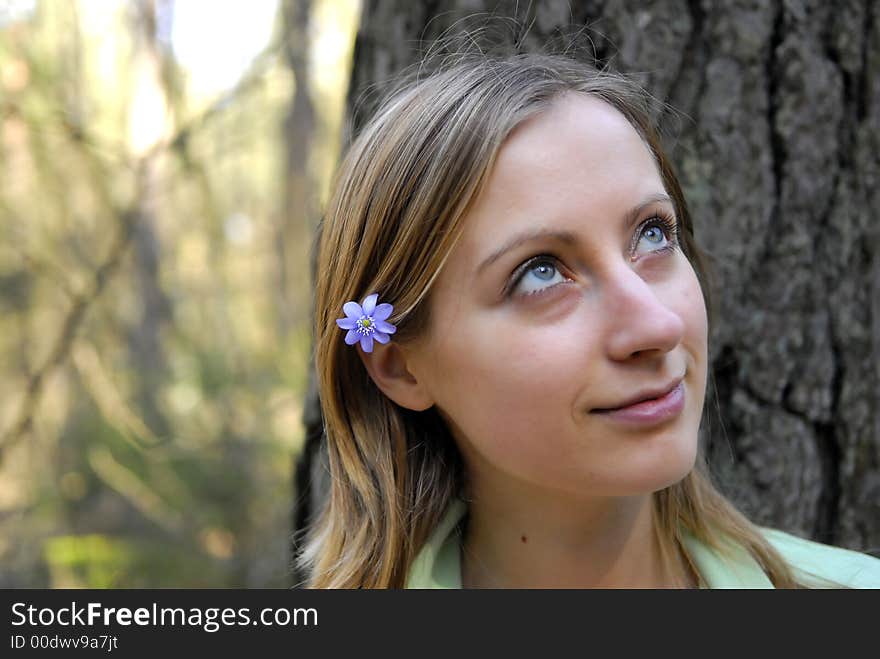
{"x": 511, "y": 348}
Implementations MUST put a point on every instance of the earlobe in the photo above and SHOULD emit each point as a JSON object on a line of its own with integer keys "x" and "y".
{"x": 388, "y": 367}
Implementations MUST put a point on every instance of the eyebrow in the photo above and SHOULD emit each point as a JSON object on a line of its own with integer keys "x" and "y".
{"x": 566, "y": 237}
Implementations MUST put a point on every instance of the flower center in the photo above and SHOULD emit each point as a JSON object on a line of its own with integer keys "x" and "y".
{"x": 365, "y": 323}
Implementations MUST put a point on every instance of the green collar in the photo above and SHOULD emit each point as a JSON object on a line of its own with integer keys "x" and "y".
{"x": 438, "y": 564}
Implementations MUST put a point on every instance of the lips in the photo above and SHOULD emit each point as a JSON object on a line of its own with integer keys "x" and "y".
{"x": 645, "y": 411}
{"x": 648, "y": 394}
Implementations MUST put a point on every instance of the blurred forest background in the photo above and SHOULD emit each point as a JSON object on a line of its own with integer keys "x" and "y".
{"x": 162, "y": 168}
{"x": 160, "y": 163}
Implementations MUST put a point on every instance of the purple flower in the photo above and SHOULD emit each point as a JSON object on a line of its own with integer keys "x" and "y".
{"x": 367, "y": 322}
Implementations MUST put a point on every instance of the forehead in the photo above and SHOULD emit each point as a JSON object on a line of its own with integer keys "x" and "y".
{"x": 578, "y": 160}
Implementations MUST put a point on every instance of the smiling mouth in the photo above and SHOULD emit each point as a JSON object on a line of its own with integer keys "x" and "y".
{"x": 644, "y": 397}
{"x": 648, "y": 411}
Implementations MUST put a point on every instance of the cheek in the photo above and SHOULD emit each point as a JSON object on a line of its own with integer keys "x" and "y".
{"x": 693, "y": 311}
{"x": 506, "y": 391}
{"x": 689, "y": 304}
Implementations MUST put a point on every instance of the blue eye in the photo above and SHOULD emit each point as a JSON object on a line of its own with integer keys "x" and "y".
{"x": 534, "y": 274}
{"x": 654, "y": 235}
{"x": 658, "y": 233}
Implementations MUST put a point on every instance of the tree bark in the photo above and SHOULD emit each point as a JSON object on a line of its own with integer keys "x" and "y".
{"x": 775, "y": 134}
{"x": 299, "y": 200}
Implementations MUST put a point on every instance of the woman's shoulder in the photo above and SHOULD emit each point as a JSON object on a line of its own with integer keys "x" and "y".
{"x": 825, "y": 565}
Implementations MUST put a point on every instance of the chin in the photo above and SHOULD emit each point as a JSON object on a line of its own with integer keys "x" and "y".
{"x": 672, "y": 481}
{"x": 678, "y": 471}
{"x": 673, "y": 468}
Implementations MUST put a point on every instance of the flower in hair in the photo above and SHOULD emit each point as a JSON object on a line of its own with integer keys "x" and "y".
{"x": 367, "y": 322}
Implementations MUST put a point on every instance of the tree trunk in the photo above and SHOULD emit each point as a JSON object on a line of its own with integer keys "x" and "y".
{"x": 299, "y": 199}
{"x": 776, "y": 136}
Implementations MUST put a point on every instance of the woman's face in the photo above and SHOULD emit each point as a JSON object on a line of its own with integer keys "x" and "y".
{"x": 563, "y": 298}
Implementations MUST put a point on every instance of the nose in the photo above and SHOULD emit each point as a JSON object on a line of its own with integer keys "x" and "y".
{"x": 639, "y": 320}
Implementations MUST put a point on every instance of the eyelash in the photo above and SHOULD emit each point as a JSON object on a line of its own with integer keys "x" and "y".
{"x": 667, "y": 223}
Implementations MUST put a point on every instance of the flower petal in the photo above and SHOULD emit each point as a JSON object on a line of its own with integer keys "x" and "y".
{"x": 381, "y": 338}
{"x": 347, "y": 323}
{"x": 352, "y": 337}
{"x": 367, "y": 343}
{"x": 370, "y": 303}
{"x": 382, "y": 311}
{"x": 352, "y": 309}
{"x": 388, "y": 328}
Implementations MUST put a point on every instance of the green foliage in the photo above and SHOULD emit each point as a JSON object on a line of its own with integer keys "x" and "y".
{"x": 100, "y": 561}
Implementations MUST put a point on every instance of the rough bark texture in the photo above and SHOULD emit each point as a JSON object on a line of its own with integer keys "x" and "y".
{"x": 776, "y": 136}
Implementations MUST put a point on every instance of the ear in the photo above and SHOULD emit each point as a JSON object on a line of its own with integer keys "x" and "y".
{"x": 389, "y": 367}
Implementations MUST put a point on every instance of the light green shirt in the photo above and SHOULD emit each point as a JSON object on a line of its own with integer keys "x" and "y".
{"x": 438, "y": 564}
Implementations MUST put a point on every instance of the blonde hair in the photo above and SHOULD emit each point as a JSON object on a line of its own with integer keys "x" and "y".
{"x": 393, "y": 219}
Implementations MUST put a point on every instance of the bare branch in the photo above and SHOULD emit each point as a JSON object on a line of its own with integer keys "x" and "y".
{"x": 62, "y": 345}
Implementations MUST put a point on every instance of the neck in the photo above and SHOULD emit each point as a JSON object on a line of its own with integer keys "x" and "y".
{"x": 600, "y": 543}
